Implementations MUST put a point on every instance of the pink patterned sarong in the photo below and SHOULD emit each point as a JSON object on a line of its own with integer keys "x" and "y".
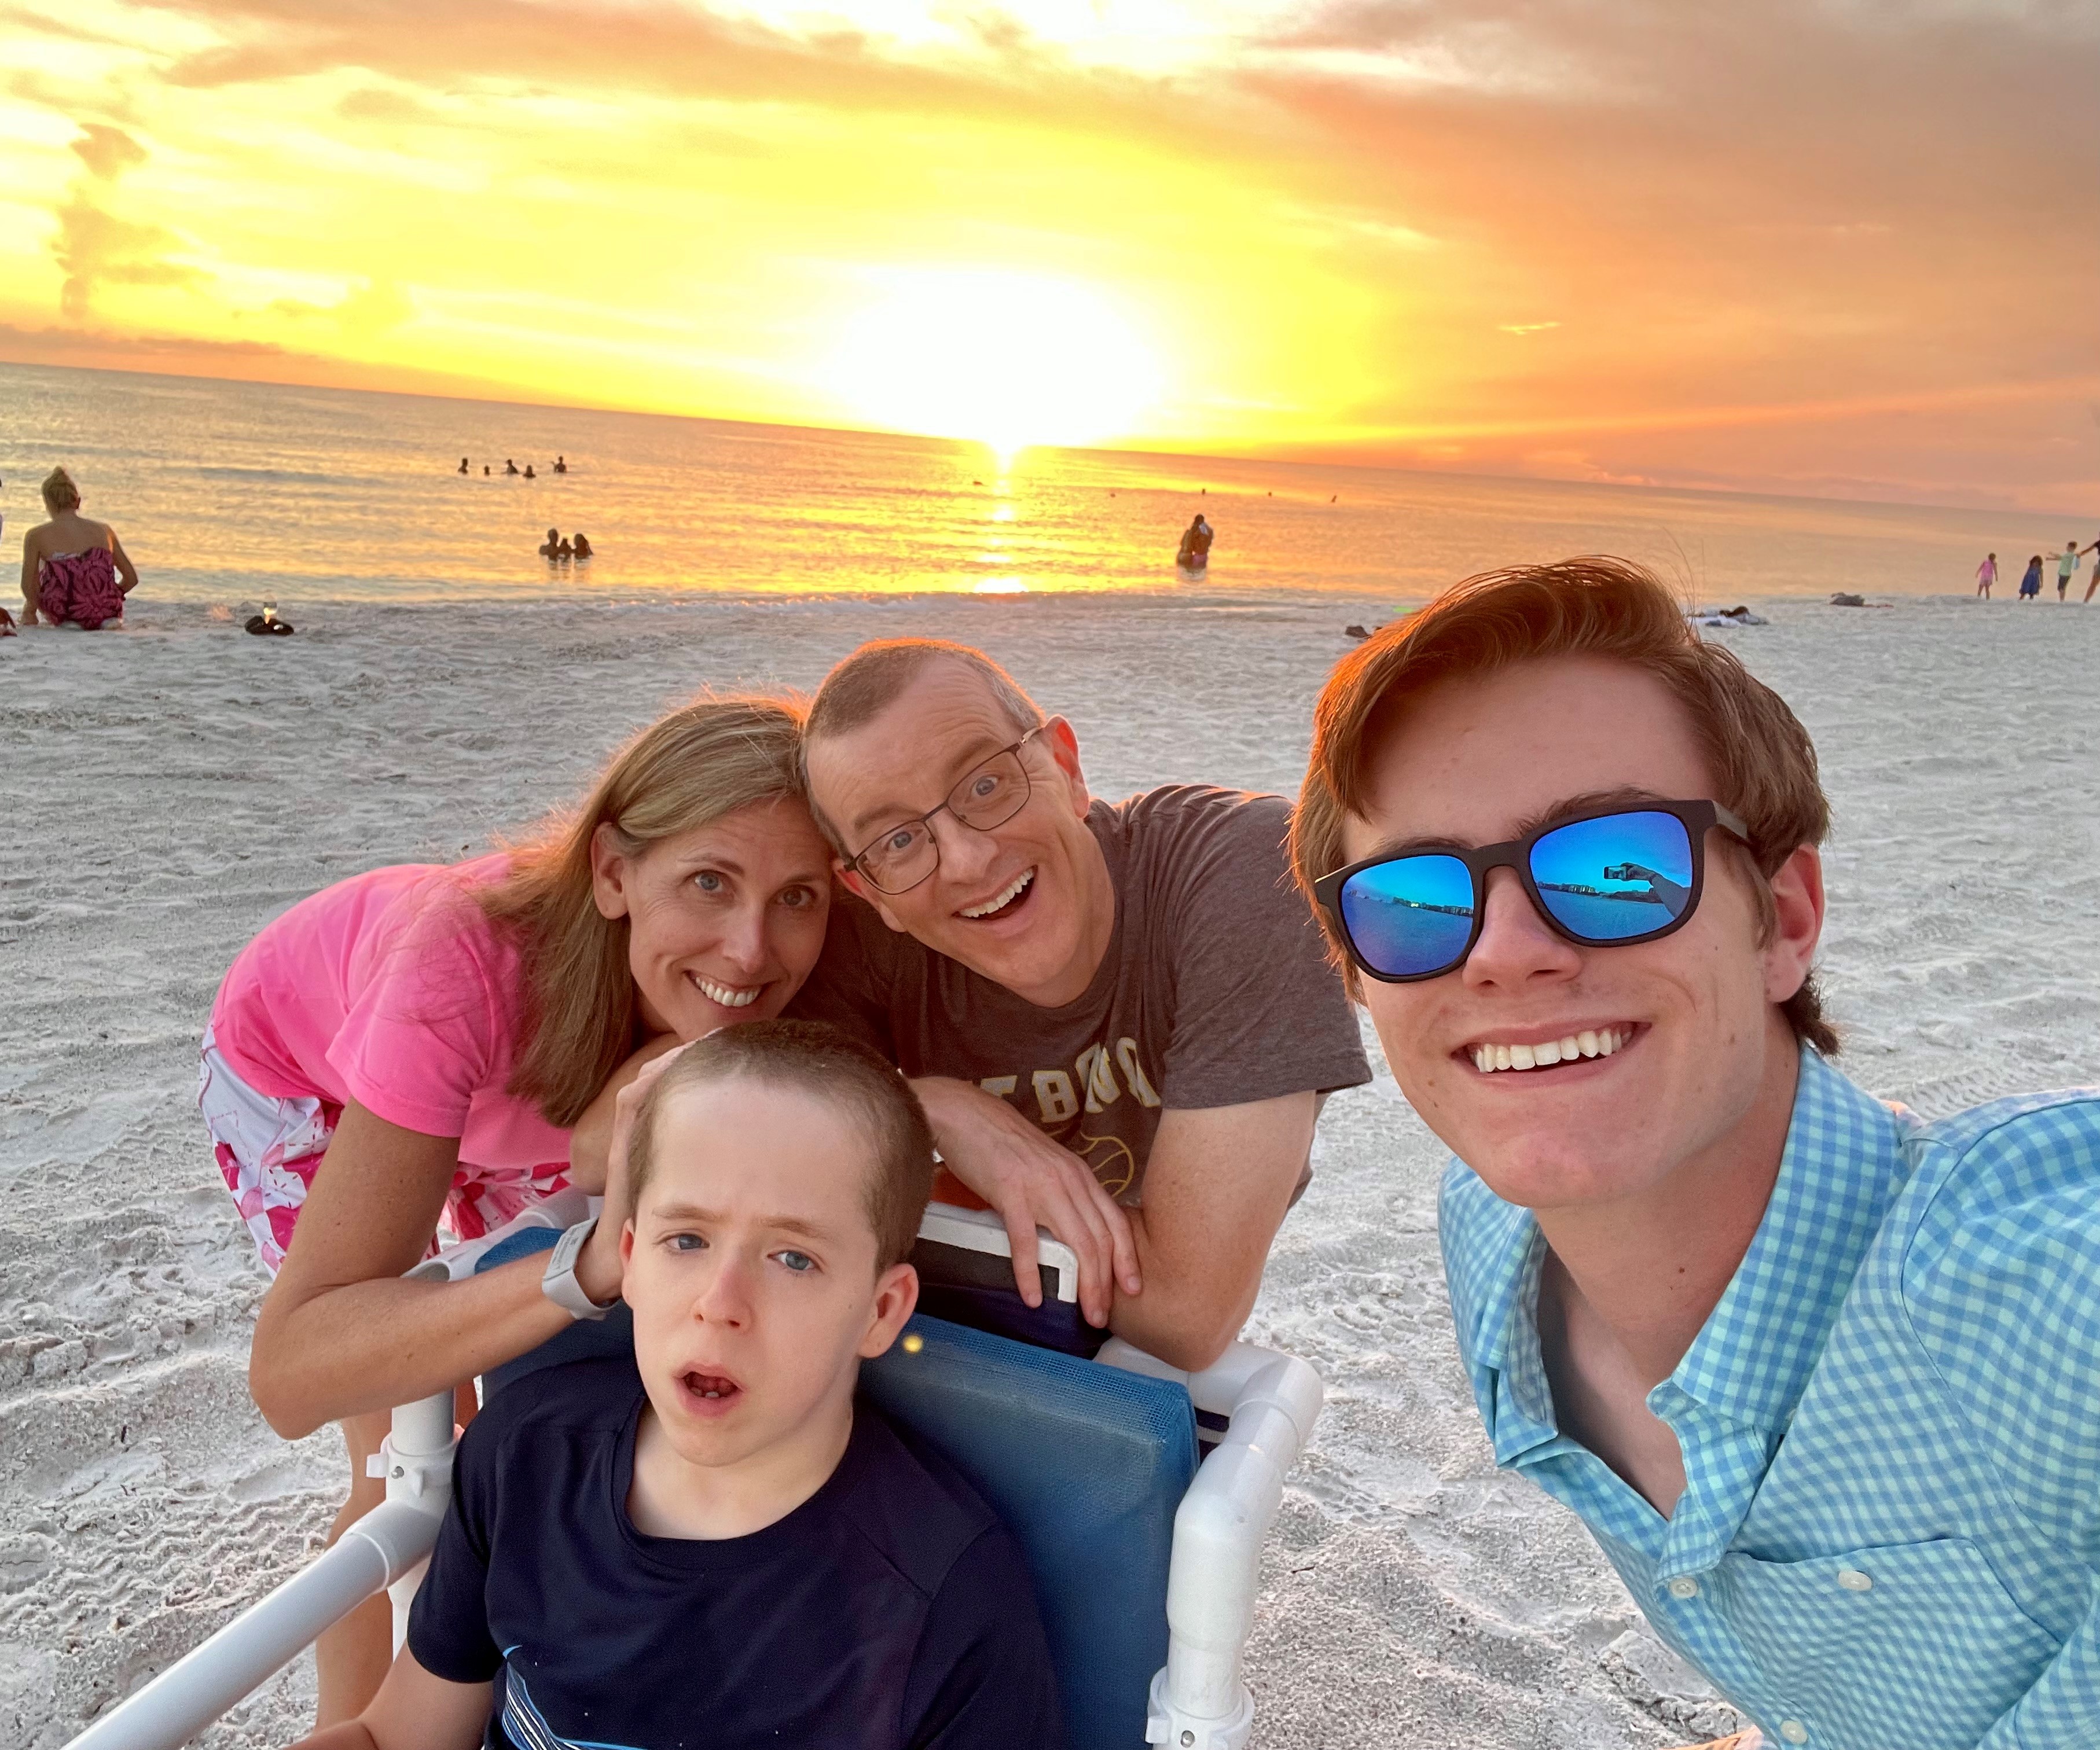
{"x": 79, "y": 587}
{"x": 269, "y": 1148}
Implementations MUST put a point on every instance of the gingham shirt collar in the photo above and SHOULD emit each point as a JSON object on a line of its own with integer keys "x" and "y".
{"x": 1843, "y": 1162}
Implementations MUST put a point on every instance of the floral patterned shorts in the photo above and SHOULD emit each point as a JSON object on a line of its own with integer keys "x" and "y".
{"x": 269, "y": 1149}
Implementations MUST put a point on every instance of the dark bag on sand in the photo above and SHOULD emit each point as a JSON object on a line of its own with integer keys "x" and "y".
{"x": 264, "y": 629}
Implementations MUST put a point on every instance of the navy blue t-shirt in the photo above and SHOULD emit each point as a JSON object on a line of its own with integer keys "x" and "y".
{"x": 891, "y": 1611}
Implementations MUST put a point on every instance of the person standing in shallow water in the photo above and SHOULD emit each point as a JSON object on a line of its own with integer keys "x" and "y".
{"x": 74, "y": 570}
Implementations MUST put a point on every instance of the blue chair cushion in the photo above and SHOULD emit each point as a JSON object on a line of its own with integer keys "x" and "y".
{"x": 1085, "y": 1464}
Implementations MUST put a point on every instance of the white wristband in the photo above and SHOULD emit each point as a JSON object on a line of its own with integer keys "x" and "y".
{"x": 559, "y": 1283}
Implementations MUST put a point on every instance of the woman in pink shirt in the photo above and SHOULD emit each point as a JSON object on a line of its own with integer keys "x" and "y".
{"x": 421, "y": 1041}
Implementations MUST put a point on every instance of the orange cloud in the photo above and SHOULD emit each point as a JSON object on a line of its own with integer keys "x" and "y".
{"x": 1780, "y": 244}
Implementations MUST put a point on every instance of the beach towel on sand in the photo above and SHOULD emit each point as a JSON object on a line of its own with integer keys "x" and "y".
{"x": 79, "y": 587}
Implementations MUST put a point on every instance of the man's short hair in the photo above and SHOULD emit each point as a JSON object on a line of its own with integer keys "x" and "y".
{"x": 1762, "y": 760}
{"x": 817, "y": 1059}
{"x": 869, "y": 681}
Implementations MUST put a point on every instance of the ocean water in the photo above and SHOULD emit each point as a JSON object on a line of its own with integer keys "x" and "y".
{"x": 229, "y": 492}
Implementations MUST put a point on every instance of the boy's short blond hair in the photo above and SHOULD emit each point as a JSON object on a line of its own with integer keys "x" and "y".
{"x": 817, "y": 1059}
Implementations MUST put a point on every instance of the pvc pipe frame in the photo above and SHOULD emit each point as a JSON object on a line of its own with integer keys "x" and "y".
{"x": 1197, "y": 1698}
{"x": 1198, "y": 1701}
{"x": 375, "y": 1552}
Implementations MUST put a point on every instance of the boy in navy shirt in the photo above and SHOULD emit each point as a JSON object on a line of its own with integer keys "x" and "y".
{"x": 711, "y": 1544}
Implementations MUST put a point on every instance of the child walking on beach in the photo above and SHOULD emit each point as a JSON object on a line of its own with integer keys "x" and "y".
{"x": 711, "y": 1541}
{"x": 1987, "y": 573}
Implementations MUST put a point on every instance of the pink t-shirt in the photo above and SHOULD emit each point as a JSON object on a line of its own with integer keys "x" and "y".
{"x": 393, "y": 990}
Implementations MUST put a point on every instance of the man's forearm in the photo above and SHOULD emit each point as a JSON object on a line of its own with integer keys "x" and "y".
{"x": 1187, "y": 1319}
{"x": 1216, "y": 1188}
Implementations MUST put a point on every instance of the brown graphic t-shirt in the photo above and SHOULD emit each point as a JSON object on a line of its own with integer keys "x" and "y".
{"x": 1214, "y": 991}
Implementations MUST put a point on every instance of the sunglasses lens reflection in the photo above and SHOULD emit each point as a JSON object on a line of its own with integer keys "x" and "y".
{"x": 1410, "y": 916}
{"x": 1613, "y": 878}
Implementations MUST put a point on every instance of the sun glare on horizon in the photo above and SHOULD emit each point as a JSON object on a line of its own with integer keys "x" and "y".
{"x": 1008, "y": 359}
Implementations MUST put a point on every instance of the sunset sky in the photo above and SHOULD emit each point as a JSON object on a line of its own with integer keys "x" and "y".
{"x": 1842, "y": 247}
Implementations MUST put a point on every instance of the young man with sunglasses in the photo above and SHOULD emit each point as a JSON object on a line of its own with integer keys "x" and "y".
{"x": 1118, "y": 1017}
{"x": 1824, "y": 1383}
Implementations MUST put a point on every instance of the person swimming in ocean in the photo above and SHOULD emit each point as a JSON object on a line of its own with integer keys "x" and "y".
{"x": 1194, "y": 552}
{"x": 508, "y": 465}
{"x": 554, "y": 547}
{"x": 561, "y": 465}
{"x": 463, "y": 465}
{"x": 529, "y": 475}
{"x": 580, "y": 547}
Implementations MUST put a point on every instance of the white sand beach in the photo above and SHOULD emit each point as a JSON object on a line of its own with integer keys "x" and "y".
{"x": 168, "y": 790}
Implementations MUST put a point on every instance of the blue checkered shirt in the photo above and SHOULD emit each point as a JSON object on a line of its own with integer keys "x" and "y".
{"x": 1890, "y": 1534}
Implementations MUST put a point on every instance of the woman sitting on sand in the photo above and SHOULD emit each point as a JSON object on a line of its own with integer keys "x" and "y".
{"x": 73, "y": 569}
{"x": 425, "y": 1041}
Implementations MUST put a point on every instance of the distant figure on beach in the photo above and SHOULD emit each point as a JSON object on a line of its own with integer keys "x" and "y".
{"x": 561, "y": 465}
{"x": 1987, "y": 573}
{"x": 554, "y": 547}
{"x": 2095, "y": 549}
{"x": 463, "y": 464}
{"x": 2066, "y": 563}
{"x": 484, "y": 467}
{"x": 1195, "y": 551}
{"x": 74, "y": 571}
{"x": 580, "y": 547}
{"x": 1819, "y": 1377}
{"x": 508, "y": 465}
{"x": 2031, "y": 578}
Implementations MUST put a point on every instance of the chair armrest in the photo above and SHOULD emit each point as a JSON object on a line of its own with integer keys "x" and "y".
{"x": 1198, "y": 1701}
{"x": 984, "y": 1231}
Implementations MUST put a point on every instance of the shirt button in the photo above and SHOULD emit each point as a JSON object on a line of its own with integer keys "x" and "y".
{"x": 1684, "y": 1586}
{"x": 1853, "y": 1581}
{"x": 1794, "y": 1731}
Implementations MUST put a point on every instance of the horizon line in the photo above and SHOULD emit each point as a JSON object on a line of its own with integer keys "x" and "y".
{"x": 1128, "y": 449}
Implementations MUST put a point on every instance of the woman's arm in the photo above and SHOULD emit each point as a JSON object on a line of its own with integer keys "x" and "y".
{"x": 127, "y": 573}
{"x": 29, "y": 578}
{"x": 340, "y": 1334}
{"x": 412, "y": 1711}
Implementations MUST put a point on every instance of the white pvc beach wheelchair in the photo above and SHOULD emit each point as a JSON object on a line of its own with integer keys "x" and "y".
{"x": 1145, "y": 1553}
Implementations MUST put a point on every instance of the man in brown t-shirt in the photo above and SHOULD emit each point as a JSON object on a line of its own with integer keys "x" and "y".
{"x": 1120, "y": 1017}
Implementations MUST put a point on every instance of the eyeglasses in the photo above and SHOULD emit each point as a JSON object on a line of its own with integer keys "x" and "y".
{"x": 987, "y": 795}
{"x": 1602, "y": 880}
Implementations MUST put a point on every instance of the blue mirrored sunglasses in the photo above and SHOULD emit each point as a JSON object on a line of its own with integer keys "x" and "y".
{"x": 1602, "y": 880}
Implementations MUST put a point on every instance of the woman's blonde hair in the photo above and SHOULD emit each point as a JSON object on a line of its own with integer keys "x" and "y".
{"x": 705, "y": 760}
{"x": 60, "y": 492}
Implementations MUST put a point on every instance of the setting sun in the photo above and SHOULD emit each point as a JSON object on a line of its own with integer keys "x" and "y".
{"x": 1009, "y": 359}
